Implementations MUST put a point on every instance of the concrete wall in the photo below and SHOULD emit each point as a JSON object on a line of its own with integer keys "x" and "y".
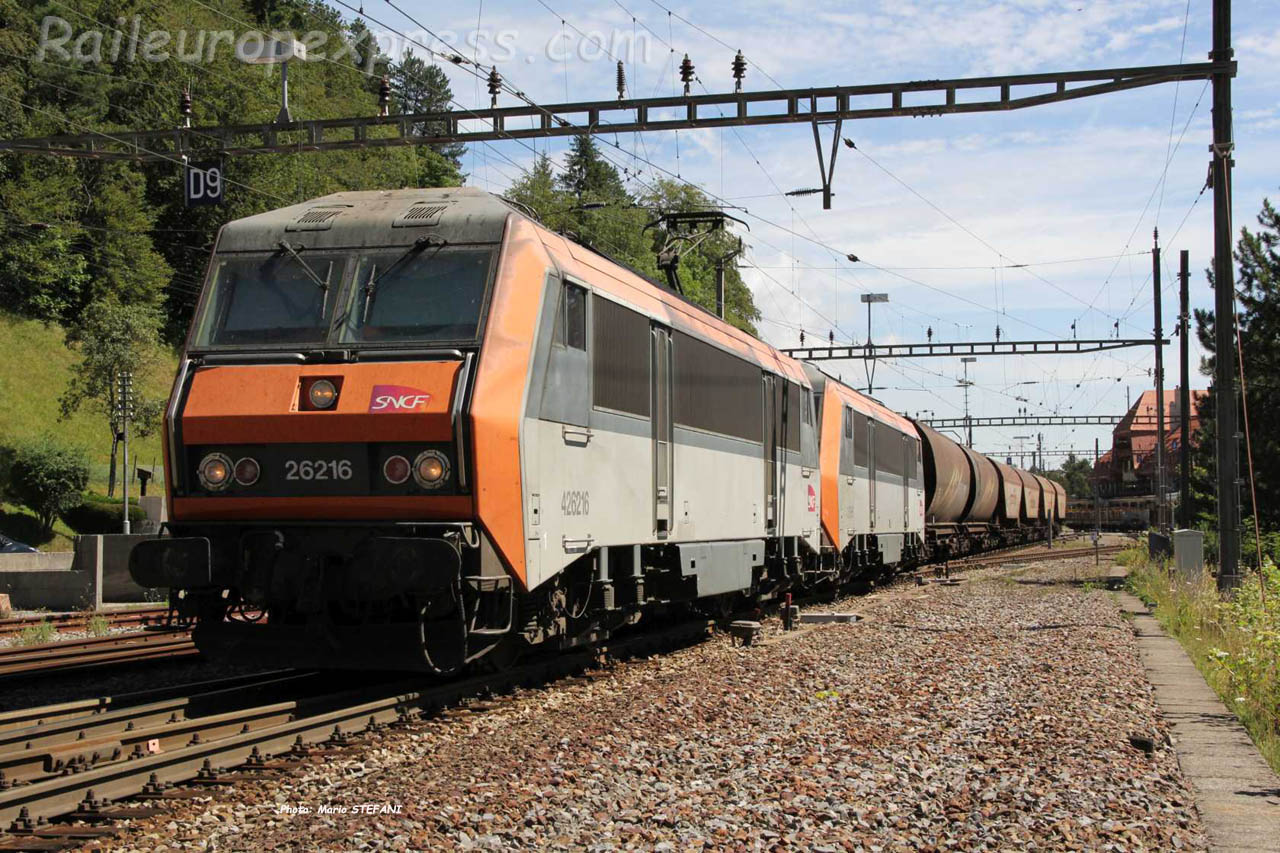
{"x": 117, "y": 585}
{"x": 43, "y": 561}
{"x": 49, "y": 581}
{"x": 97, "y": 571}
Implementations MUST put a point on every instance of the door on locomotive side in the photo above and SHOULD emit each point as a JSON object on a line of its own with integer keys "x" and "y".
{"x": 908, "y": 471}
{"x": 874, "y": 485}
{"x": 770, "y": 392}
{"x": 663, "y": 456}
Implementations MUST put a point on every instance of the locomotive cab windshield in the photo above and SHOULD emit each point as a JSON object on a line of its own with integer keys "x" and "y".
{"x": 431, "y": 293}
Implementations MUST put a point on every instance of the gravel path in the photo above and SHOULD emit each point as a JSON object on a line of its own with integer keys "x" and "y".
{"x": 990, "y": 715}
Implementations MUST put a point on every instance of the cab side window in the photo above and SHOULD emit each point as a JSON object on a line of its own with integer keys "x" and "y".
{"x": 571, "y": 324}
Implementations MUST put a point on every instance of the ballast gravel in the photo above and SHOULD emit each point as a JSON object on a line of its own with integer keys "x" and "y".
{"x": 988, "y": 715}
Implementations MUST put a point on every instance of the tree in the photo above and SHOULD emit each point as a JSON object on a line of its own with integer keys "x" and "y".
{"x": 423, "y": 88}
{"x": 48, "y": 478}
{"x": 1257, "y": 257}
{"x": 112, "y": 338}
{"x": 590, "y": 203}
{"x": 588, "y": 176}
{"x": 1074, "y": 477}
{"x": 42, "y": 273}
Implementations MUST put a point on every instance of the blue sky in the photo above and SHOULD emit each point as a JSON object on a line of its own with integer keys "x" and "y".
{"x": 1045, "y": 187}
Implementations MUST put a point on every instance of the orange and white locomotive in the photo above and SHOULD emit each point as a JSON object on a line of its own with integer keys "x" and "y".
{"x": 416, "y": 429}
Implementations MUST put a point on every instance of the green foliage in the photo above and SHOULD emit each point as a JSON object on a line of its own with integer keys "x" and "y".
{"x": 1257, "y": 256}
{"x": 590, "y": 202}
{"x": 30, "y": 388}
{"x": 38, "y": 634}
{"x": 1235, "y": 642}
{"x": 101, "y": 515}
{"x": 76, "y": 232}
{"x": 98, "y": 626}
{"x": 48, "y": 478}
{"x": 113, "y": 337}
{"x": 1074, "y": 477}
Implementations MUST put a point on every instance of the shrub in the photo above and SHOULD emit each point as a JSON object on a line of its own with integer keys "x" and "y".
{"x": 101, "y": 515}
{"x": 48, "y": 478}
{"x": 38, "y": 634}
{"x": 1235, "y": 641}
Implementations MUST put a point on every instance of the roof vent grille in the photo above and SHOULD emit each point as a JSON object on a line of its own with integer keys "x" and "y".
{"x": 420, "y": 215}
{"x": 316, "y": 218}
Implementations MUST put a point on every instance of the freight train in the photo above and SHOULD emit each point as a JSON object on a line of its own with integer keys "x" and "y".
{"x": 415, "y": 429}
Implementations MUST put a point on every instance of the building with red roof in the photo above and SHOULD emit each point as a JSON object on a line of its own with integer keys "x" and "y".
{"x": 1129, "y": 467}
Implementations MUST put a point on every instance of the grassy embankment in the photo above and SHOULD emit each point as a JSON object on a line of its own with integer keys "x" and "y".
{"x": 1234, "y": 643}
{"x": 35, "y": 365}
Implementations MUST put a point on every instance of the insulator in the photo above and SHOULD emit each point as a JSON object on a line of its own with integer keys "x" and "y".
{"x": 686, "y": 73}
{"x": 184, "y": 107}
{"x": 495, "y": 86}
{"x": 739, "y": 71}
{"x": 622, "y": 81}
{"x": 384, "y": 97}
{"x": 831, "y": 338}
{"x": 802, "y": 337}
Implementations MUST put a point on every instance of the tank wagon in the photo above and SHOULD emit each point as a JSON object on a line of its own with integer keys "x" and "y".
{"x": 416, "y": 429}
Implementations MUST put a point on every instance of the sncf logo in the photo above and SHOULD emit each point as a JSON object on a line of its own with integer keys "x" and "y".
{"x": 813, "y": 500}
{"x": 398, "y": 398}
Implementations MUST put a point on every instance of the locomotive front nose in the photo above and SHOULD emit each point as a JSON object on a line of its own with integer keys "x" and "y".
{"x": 331, "y": 441}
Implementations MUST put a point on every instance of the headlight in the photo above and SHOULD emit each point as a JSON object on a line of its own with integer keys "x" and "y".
{"x": 396, "y": 469}
{"x": 322, "y": 394}
{"x": 215, "y": 472}
{"x": 430, "y": 469}
{"x": 247, "y": 471}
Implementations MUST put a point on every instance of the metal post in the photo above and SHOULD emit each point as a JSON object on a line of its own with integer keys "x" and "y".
{"x": 870, "y": 363}
{"x": 968, "y": 421}
{"x": 1224, "y": 307}
{"x": 1097, "y": 506}
{"x": 1160, "y": 460}
{"x": 1184, "y": 394}
{"x": 720, "y": 288}
{"x": 284, "y": 117}
{"x": 126, "y": 410}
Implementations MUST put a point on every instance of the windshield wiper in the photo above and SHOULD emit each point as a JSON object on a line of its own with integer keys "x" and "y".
{"x": 323, "y": 284}
{"x": 374, "y": 277}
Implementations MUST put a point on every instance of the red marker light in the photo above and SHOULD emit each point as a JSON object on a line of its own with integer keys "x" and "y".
{"x": 396, "y": 469}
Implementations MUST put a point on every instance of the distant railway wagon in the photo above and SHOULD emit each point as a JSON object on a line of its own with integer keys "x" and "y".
{"x": 1127, "y": 513}
{"x": 416, "y": 429}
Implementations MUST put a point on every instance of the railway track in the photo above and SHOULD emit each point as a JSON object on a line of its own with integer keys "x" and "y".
{"x": 72, "y": 764}
{"x": 137, "y": 617}
{"x": 1022, "y": 554}
{"x": 23, "y": 662}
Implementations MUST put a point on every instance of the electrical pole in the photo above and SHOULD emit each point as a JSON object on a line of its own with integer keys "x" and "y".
{"x": 1224, "y": 307}
{"x": 1037, "y": 466}
{"x": 965, "y": 383}
{"x": 124, "y": 411}
{"x": 1160, "y": 460}
{"x": 1184, "y": 394}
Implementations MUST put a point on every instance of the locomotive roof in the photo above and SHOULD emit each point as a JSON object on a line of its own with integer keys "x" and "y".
{"x": 373, "y": 218}
{"x": 868, "y": 405}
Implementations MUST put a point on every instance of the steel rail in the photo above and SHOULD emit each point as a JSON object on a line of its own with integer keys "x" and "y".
{"x": 75, "y": 621}
{"x": 76, "y": 655}
{"x": 236, "y": 742}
